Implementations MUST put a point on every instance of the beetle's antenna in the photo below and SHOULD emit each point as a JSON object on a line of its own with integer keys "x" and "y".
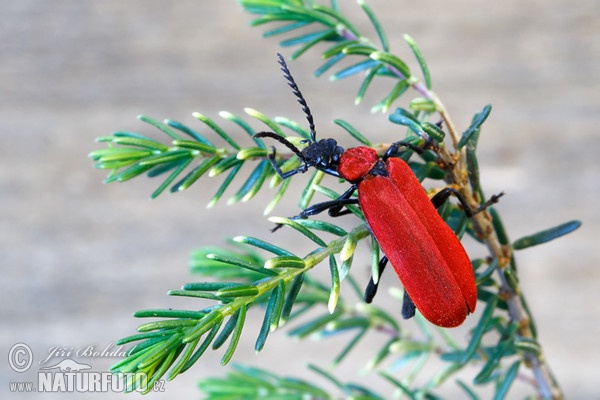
{"x": 305, "y": 162}
{"x": 283, "y": 141}
{"x": 296, "y": 91}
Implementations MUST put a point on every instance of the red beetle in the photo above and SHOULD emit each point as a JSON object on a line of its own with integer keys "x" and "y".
{"x": 425, "y": 253}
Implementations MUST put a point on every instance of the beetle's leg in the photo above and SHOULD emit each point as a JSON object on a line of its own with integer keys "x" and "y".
{"x": 441, "y": 196}
{"x": 408, "y": 307}
{"x": 278, "y": 171}
{"x": 394, "y": 149}
{"x": 335, "y": 210}
{"x": 372, "y": 287}
{"x": 271, "y": 157}
{"x": 335, "y": 207}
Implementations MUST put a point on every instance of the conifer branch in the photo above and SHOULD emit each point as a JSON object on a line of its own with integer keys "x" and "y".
{"x": 237, "y": 282}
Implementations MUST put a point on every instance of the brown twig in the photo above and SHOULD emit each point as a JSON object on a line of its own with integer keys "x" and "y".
{"x": 456, "y": 165}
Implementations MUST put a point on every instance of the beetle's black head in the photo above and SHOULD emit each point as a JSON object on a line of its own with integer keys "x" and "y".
{"x": 324, "y": 155}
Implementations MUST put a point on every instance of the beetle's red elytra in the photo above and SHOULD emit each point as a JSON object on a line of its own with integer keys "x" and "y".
{"x": 424, "y": 252}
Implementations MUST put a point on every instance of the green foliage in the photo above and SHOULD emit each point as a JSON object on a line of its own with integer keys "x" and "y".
{"x": 546, "y": 235}
{"x": 253, "y": 276}
{"x": 253, "y": 383}
{"x": 316, "y": 23}
{"x": 129, "y": 155}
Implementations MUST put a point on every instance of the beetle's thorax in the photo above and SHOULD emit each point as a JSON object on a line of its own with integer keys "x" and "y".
{"x": 356, "y": 163}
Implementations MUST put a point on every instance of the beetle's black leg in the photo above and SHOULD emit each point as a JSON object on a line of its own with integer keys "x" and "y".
{"x": 372, "y": 287}
{"x": 303, "y": 168}
{"x": 443, "y": 195}
{"x": 408, "y": 307}
{"x": 394, "y": 149}
{"x": 334, "y": 206}
{"x": 336, "y": 209}
{"x": 331, "y": 205}
{"x": 278, "y": 170}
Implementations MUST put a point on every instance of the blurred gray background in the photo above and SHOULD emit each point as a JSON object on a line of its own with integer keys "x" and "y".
{"x": 78, "y": 257}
